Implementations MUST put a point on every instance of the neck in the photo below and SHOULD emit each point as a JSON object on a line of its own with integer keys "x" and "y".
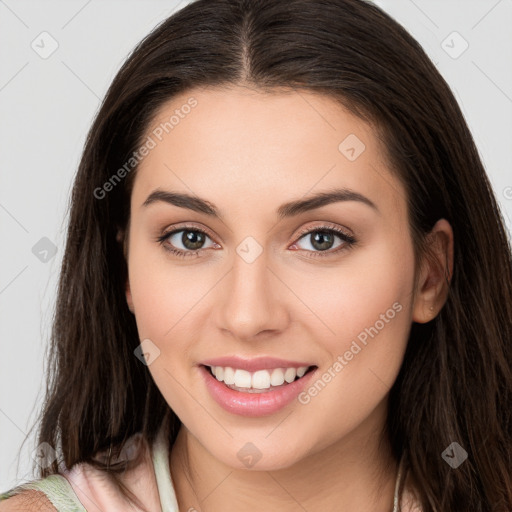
{"x": 358, "y": 471}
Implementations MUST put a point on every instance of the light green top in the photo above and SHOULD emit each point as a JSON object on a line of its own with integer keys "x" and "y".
{"x": 62, "y": 496}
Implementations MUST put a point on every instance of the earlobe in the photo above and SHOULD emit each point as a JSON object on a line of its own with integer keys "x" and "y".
{"x": 436, "y": 273}
{"x": 123, "y": 240}
{"x": 128, "y": 295}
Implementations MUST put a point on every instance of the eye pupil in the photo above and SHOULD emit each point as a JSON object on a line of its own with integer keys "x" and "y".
{"x": 195, "y": 238}
{"x": 322, "y": 240}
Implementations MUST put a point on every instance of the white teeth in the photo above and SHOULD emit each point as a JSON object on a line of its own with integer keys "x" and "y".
{"x": 229, "y": 375}
{"x": 301, "y": 371}
{"x": 242, "y": 379}
{"x": 277, "y": 377}
{"x": 290, "y": 374}
{"x": 261, "y": 379}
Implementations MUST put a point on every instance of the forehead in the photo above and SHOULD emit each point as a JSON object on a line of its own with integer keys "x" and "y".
{"x": 237, "y": 145}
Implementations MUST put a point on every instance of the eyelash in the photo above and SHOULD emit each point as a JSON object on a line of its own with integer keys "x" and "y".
{"x": 349, "y": 240}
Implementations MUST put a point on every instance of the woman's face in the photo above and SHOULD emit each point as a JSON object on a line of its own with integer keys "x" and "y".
{"x": 269, "y": 279}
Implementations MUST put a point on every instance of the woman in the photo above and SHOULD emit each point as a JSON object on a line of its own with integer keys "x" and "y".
{"x": 287, "y": 284}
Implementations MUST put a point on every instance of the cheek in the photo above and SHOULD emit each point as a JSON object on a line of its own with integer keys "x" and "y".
{"x": 164, "y": 294}
{"x": 163, "y": 291}
{"x": 365, "y": 302}
{"x": 366, "y": 289}
{"x": 172, "y": 303}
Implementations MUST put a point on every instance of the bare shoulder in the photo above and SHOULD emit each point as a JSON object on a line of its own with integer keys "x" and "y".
{"x": 28, "y": 501}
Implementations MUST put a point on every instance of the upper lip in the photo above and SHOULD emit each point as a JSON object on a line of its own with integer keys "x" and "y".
{"x": 254, "y": 364}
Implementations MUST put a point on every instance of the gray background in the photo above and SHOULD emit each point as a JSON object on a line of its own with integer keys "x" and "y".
{"x": 47, "y": 105}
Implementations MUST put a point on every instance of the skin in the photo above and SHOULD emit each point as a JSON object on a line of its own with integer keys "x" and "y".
{"x": 248, "y": 152}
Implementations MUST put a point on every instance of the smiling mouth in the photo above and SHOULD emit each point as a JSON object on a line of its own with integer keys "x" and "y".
{"x": 260, "y": 381}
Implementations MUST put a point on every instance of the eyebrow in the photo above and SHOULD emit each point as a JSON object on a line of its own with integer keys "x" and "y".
{"x": 286, "y": 210}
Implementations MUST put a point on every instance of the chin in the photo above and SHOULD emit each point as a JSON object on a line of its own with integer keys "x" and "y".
{"x": 258, "y": 456}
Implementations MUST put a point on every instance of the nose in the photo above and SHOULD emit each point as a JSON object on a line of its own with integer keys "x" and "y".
{"x": 252, "y": 300}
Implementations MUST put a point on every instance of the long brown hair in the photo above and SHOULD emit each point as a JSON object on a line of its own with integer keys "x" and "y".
{"x": 456, "y": 381}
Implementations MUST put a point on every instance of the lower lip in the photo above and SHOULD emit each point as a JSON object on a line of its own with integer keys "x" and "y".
{"x": 254, "y": 404}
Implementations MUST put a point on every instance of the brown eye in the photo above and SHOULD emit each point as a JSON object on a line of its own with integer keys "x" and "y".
{"x": 324, "y": 239}
{"x": 185, "y": 241}
{"x": 192, "y": 239}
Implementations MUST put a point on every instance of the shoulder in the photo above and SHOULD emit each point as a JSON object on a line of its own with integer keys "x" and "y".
{"x": 50, "y": 493}
{"x": 98, "y": 489}
{"x": 27, "y": 501}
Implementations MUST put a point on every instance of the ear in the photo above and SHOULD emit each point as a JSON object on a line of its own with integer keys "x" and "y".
{"x": 120, "y": 237}
{"x": 435, "y": 274}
